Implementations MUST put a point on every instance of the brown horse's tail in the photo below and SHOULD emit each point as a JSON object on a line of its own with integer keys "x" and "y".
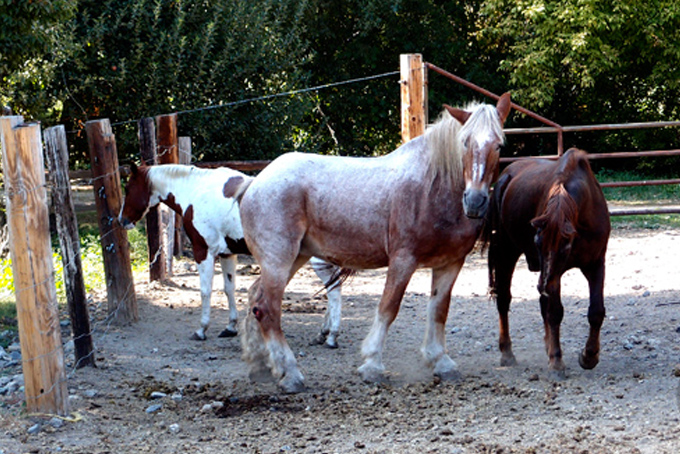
{"x": 489, "y": 237}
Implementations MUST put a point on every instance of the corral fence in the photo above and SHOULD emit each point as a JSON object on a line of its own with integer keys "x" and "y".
{"x": 27, "y": 207}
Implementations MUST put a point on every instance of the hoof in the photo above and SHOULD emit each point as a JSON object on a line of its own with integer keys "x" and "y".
{"x": 372, "y": 374}
{"x": 320, "y": 339}
{"x": 557, "y": 374}
{"x": 198, "y": 337}
{"x": 588, "y": 362}
{"x": 228, "y": 332}
{"x": 508, "y": 360}
{"x": 292, "y": 385}
{"x": 446, "y": 369}
{"x": 331, "y": 343}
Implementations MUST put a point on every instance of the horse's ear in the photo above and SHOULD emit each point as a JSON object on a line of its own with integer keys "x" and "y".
{"x": 459, "y": 114}
{"x": 133, "y": 168}
{"x": 568, "y": 229}
{"x": 539, "y": 222}
{"x": 503, "y": 106}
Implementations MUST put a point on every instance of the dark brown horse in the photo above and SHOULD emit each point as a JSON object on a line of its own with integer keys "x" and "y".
{"x": 555, "y": 214}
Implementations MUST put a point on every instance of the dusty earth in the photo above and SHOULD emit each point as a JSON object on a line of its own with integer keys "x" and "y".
{"x": 628, "y": 403}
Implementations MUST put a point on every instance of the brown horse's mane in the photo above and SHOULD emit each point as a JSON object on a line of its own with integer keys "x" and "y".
{"x": 561, "y": 209}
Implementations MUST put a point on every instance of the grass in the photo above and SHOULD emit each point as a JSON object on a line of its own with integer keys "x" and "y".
{"x": 93, "y": 273}
{"x": 641, "y": 196}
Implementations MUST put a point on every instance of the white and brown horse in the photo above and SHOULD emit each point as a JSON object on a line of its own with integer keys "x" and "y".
{"x": 419, "y": 206}
{"x": 206, "y": 200}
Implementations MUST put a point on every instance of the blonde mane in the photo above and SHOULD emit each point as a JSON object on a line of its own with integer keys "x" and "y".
{"x": 445, "y": 138}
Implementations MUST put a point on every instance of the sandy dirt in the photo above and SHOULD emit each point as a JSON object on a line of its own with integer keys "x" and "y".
{"x": 629, "y": 403}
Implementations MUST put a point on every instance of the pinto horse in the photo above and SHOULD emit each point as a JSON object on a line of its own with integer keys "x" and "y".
{"x": 206, "y": 200}
{"x": 420, "y": 206}
{"x": 555, "y": 214}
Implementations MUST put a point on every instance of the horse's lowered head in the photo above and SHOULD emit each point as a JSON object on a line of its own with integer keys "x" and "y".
{"x": 138, "y": 197}
{"x": 555, "y": 234}
{"x": 481, "y": 137}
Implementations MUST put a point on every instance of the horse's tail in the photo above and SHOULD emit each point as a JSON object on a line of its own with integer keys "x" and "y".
{"x": 489, "y": 237}
{"x": 242, "y": 187}
{"x": 331, "y": 275}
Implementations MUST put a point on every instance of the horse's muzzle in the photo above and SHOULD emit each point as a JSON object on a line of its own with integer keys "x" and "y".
{"x": 475, "y": 203}
{"x": 125, "y": 223}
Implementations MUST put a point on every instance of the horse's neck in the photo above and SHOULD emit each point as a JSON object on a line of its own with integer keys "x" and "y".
{"x": 166, "y": 181}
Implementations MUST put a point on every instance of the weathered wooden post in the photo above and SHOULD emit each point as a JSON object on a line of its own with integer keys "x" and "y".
{"x": 168, "y": 153}
{"x": 56, "y": 151}
{"x": 122, "y": 302}
{"x": 36, "y": 295}
{"x": 184, "y": 147}
{"x": 413, "y": 96}
{"x": 154, "y": 233}
{"x": 184, "y": 150}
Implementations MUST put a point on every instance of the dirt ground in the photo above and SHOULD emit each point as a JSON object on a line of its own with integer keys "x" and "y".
{"x": 629, "y": 403}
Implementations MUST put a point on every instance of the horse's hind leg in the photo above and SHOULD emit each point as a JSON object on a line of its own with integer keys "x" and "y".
{"x": 331, "y": 324}
{"x": 398, "y": 275}
{"x": 228, "y": 274}
{"x": 434, "y": 344}
{"x": 590, "y": 355}
{"x": 206, "y": 272}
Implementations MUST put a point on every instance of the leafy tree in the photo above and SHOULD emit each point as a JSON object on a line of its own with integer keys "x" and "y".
{"x": 591, "y": 61}
{"x": 32, "y": 34}
{"x": 141, "y": 58}
{"x": 354, "y": 38}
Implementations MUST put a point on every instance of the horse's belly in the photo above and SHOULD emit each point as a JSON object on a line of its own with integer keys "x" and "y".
{"x": 354, "y": 252}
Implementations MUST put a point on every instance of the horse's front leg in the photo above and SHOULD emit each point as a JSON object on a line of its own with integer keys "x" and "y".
{"x": 263, "y": 341}
{"x": 590, "y": 355}
{"x": 553, "y": 313}
{"x": 228, "y": 274}
{"x": 331, "y": 324}
{"x": 206, "y": 271}
{"x": 434, "y": 344}
{"x": 399, "y": 273}
{"x": 501, "y": 282}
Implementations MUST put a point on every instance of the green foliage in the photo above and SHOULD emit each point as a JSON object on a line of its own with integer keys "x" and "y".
{"x": 32, "y": 36}
{"x": 626, "y": 47}
{"x": 92, "y": 263}
{"x": 591, "y": 62}
{"x": 354, "y": 38}
{"x": 143, "y": 58}
{"x": 30, "y": 30}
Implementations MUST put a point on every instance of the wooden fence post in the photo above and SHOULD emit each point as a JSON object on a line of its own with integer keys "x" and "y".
{"x": 184, "y": 150}
{"x": 184, "y": 147}
{"x": 122, "y": 301}
{"x": 168, "y": 153}
{"x": 413, "y": 96}
{"x": 31, "y": 253}
{"x": 147, "y": 149}
{"x": 56, "y": 151}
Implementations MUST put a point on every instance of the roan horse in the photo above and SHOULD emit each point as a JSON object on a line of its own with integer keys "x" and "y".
{"x": 206, "y": 201}
{"x": 419, "y": 206}
{"x": 555, "y": 214}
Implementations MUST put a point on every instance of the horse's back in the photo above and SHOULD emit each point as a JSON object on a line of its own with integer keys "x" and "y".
{"x": 336, "y": 208}
{"x": 528, "y": 186}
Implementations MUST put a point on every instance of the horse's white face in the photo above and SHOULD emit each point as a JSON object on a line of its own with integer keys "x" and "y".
{"x": 481, "y": 154}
